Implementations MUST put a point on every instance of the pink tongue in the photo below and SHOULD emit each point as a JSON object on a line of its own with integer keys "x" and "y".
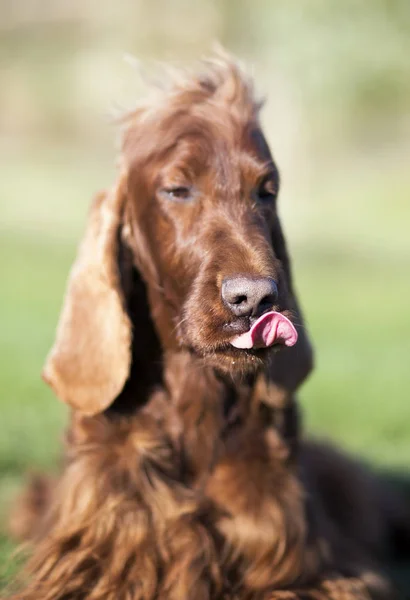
{"x": 269, "y": 328}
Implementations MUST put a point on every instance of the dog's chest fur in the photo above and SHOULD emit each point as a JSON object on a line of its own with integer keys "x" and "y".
{"x": 205, "y": 471}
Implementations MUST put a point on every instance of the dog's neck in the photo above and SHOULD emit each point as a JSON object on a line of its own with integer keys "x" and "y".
{"x": 201, "y": 408}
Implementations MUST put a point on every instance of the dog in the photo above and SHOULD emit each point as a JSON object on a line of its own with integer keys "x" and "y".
{"x": 180, "y": 348}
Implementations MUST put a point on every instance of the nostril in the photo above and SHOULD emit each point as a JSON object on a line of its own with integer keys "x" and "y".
{"x": 240, "y": 299}
{"x": 271, "y": 295}
{"x": 268, "y": 300}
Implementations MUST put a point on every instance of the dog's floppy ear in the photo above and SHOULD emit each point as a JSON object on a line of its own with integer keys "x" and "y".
{"x": 90, "y": 360}
{"x": 290, "y": 366}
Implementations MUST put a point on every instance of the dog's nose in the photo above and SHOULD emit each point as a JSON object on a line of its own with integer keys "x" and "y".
{"x": 249, "y": 296}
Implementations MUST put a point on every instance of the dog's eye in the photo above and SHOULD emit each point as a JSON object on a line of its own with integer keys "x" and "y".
{"x": 179, "y": 193}
{"x": 266, "y": 191}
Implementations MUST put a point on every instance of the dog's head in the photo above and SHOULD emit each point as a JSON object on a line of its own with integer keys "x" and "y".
{"x": 186, "y": 250}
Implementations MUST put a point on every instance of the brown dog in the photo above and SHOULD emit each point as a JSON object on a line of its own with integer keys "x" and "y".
{"x": 179, "y": 348}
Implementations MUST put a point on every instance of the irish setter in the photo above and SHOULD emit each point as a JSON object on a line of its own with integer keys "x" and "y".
{"x": 180, "y": 347}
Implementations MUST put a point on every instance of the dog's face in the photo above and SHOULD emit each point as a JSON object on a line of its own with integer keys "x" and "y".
{"x": 184, "y": 252}
{"x": 207, "y": 198}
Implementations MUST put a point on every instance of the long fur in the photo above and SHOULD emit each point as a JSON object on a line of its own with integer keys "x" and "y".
{"x": 185, "y": 473}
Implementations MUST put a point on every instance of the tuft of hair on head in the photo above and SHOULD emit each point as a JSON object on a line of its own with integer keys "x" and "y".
{"x": 219, "y": 80}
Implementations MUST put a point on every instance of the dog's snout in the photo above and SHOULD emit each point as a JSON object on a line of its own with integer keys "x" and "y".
{"x": 249, "y": 296}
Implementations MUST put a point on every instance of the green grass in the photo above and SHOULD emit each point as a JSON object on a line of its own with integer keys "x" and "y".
{"x": 359, "y": 392}
{"x": 355, "y": 293}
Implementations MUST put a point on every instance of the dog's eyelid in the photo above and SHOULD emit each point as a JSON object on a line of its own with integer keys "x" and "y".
{"x": 179, "y": 193}
{"x": 267, "y": 188}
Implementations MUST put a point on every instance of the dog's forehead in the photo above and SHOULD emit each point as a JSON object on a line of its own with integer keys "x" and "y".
{"x": 225, "y": 149}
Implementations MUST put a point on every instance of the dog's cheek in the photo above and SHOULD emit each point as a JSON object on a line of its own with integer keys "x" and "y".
{"x": 202, "y": 321}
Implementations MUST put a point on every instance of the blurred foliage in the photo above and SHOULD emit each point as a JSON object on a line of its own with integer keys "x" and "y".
{"x": 346, "y": 61}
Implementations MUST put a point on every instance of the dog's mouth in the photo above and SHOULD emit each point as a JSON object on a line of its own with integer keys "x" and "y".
{"x": 269, "y": 329}
{"x": 247, "y": 343}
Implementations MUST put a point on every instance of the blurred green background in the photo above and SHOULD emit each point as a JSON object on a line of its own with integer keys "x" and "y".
{"x": 337, "y": 79}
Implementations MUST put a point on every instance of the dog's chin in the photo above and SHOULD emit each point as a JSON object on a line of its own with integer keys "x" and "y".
{"x": 225, "y": 357}
{"x": 232, "y": 361}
